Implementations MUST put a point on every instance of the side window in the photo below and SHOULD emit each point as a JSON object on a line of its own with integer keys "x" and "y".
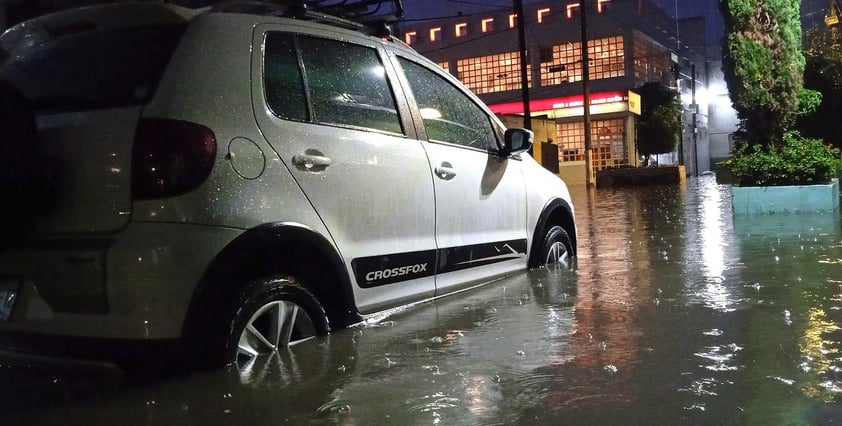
{"x": 344, "y": 84}
{"x": 284, "y": 83}
{"x": 448, "y": 114}
{"x": 347, "y": 85}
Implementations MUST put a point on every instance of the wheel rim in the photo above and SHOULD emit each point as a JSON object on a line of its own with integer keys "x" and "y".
{"x": 275, "y": 326}
{"x": 557, "y": 254}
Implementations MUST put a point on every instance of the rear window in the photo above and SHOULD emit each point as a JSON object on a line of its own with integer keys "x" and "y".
{"x": 328, "y": 81}
{"x": 103, "y": 68}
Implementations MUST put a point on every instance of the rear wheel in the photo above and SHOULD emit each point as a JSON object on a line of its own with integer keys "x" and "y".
{"x": 272, "y": 315}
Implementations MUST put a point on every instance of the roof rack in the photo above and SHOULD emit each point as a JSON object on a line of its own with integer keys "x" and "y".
{"x": 374, "y": 16}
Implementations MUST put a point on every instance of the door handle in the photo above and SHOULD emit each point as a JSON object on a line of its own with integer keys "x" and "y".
{"x": 311, "y": 162}
{"x": 445, "y": 171}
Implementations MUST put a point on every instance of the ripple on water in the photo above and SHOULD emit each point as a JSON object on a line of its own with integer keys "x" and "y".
{"x": 721, "y": 357}
{"x": 789, "y": 382}
{"x": 337, "y": 406}
{"x": 434, "y": 402}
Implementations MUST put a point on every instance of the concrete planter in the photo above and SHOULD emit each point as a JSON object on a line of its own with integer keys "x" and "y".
{"x": 785, "y": 199}
{"x": 640, "y": 176}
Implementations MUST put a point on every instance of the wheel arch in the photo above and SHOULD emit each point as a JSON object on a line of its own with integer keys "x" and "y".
{"x": 278, "y": 248}
{"x": 557, "y": 212}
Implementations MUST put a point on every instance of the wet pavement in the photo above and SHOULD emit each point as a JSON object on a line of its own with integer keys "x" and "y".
{"x": 675, "y": 313}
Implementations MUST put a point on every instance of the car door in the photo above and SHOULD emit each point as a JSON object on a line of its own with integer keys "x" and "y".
{"x": 328, "y": 109}
{"x": 480, "y": 194}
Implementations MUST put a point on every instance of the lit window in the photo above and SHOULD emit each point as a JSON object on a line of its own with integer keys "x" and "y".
{"x": 444, "y": 65}
{"x": 651, "y": 61}
{"x": 487, "y": 25}
{"x": 607, "y": 57}
{"x": 512, "y": 20}
{"x": 434, "y": 33}
{"x": 461, "y": 29}
{"x": 570, "y": 8}
{"x": 571, "y": 141}
{"x": 563, "y": 63}
{"x": 607, "y": 139}
{"x": 409, "y": 36}
{"x": 493, "y": 73}
{"x": 541, "y": 13}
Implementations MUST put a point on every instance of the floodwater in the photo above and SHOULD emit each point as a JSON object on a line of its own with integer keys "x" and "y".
{"x": 676, "y": 313}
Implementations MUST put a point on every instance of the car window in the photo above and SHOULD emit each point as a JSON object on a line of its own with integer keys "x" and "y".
{"x": 449, "y": 115}
{"x": 283, "y": 81}
{"x": 344, "y": 84}
{"x": 91, "y": 68}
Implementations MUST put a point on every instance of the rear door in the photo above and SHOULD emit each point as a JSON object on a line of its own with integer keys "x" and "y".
{"x": 329, "y": 109}
{"x": 480, "y": 194}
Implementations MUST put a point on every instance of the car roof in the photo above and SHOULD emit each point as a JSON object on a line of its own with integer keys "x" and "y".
{"x": 43, "y": 29}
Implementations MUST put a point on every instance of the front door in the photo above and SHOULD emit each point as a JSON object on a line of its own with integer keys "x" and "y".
{"x": 328, "y": 109}
{"x": 480, "y": 195}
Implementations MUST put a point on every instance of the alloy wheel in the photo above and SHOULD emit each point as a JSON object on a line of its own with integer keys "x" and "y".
{"x": 557, "y": 254}
{"x": 275, "y": 326}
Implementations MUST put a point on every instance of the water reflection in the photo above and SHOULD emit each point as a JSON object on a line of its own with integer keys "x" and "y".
{"x": 712, "y": 206}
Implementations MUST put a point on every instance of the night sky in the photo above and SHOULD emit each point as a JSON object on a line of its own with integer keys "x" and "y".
{"x": 418, "y": 9}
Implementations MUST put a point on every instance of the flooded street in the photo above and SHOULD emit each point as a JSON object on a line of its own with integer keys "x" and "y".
{"x": 675, "y": 313}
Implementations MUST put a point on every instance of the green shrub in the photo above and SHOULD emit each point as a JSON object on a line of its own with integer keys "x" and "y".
{"x": 799, "y": 161}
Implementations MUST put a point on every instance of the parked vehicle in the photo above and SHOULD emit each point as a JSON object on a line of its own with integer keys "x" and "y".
{"x": 221, "y": 183}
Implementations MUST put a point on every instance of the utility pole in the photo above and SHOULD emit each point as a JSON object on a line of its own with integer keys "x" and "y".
{"x": 695, "y": 112}
{"x": 586, "y": 95}
{"x": 832, "y": 21}
{"x": 524, "y": 64}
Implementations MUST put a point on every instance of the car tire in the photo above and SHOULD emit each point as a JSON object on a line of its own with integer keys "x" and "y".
{"x": 556, "y": 248}
{"x": 270, "y": 315}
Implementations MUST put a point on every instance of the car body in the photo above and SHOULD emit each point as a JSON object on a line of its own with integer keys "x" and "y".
{"x": 196, "y": 168}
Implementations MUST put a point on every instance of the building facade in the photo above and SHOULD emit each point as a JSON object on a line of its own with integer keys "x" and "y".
{"x": 630, "y": 42}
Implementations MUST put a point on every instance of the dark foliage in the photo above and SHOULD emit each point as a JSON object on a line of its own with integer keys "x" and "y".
{"x": 659, "y": 126}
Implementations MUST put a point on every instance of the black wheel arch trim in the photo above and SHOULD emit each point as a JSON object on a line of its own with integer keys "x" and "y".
{"x": 238, "y": 253}
{"x": 541, "y": 227}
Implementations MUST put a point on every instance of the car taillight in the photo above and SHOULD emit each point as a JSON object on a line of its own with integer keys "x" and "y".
{"x": 170, "y": 157}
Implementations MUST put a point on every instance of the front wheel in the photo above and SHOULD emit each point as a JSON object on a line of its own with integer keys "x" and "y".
{"x": 556, "y": 248}
{"x": 272, "y": 315}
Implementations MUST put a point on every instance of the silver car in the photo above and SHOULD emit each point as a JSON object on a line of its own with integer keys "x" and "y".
{"x": 217, "y": 185}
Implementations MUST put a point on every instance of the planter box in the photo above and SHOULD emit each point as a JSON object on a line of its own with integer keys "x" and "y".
{"x": 785, "y": 199}
{"x": 640, "y": 176}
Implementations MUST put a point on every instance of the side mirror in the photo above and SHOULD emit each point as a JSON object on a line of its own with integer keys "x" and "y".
{"x": 517, "y": 141}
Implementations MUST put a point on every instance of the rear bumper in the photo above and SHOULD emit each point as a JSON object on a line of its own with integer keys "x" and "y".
{"x": 136, "y": 286}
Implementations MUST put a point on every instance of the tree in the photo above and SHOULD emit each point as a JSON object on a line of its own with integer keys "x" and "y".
{"x": 823, "y": 72}
{"x": 659, "y": 126}
{"x": 764, "y": 65}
